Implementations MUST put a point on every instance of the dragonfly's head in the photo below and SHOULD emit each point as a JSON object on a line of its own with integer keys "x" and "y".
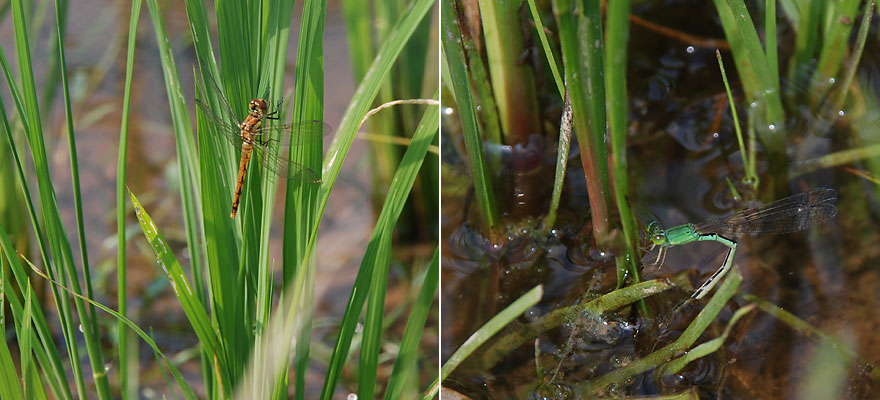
{"x": 258, "y": 107}
{"x": 658, "y": 237}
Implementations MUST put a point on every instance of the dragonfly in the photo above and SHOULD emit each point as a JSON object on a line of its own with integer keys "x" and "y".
{"x": 254, "y": 136}
{"x": 790, "y": 214}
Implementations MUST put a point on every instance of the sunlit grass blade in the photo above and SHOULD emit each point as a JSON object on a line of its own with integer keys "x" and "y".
{"x": 365, "y": 281}
{"x": 9, "y": 381}
{"x": 545, "y": 45}
{"x": 301, "y": 198}
{"x": 483, "y": 186}
{"x": 412, "y": 334}
{"x": 189, "y": 302}
{"x": 489, "y": 329}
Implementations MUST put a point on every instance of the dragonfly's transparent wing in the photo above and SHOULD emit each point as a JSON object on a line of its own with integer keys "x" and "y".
{"x": 224, "y": 124}
{"x": 276, "y": 163}
{"x": 791, "y": 214}
{"x": 224, "y": 103}
{"x": 295, "y": 134}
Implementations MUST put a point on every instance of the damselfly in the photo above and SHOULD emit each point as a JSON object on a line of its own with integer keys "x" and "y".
{"x": 791, "y": 214}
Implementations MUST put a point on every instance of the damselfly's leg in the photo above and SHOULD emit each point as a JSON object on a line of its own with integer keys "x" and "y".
{"x": 716, "y": 277}
{"x": 661, "y": 257}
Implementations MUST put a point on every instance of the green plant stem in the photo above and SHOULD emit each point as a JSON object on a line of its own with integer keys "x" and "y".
{"x": 513, "y": 84}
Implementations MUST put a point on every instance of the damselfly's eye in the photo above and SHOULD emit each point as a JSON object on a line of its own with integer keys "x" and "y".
{"x": 658, "y": 238}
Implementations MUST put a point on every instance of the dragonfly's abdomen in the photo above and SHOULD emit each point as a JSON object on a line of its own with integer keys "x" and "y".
{"x": 246, "y": 151}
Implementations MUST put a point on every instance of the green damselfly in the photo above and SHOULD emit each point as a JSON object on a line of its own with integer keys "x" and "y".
{"x": 791, "y": 214}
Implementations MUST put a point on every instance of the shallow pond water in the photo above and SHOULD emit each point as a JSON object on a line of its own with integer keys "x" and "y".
{"x": 681, "y": 149}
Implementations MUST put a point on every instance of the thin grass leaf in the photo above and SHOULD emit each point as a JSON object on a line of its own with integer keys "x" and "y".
{"x": 184, "y": 386}
{"x": 122, "y": 159}
{"x": 761, "y": 88}
{"x": 483, "y": 187}
{"x": 584, "y": 79}
{"x": 59, "y": 244}
{"x": 47, "y": 353}
{"x": 412, "y": 334}
{"x": 190, "y": 304}
{"x": 10, "y": 388}
{"x": 489, "y": 329}
{"x": 394, "y": 201}
{"x": 835, "y": 43}
{"x": 545, "y": 45}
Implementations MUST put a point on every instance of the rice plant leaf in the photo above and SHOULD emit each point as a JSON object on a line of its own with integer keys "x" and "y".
{"x": 412, "y": 334}
{"x": 394, "y": 202}
{"x": 190, "y": 303}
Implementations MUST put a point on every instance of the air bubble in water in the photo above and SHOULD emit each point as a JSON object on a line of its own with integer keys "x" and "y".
{"x": 690, "y": 49}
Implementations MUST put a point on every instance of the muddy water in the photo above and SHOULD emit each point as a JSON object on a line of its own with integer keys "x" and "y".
{"x": 681, "y": 148}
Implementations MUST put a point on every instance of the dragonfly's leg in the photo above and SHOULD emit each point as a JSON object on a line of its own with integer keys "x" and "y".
{"x": 716, "y": 277}
{"x": 661, "y": 258}
{"x": 274, "y": 114}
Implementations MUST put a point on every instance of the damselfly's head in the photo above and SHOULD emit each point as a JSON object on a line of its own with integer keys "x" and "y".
{"x": 658, "y": 237}
{"x": 258, "y": 108}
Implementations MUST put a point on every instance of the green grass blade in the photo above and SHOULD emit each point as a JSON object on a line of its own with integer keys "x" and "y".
{"x": 184, "y": 386}
{"x": 483, "y": 187}
{"x": 10, "y": 387}
{"x": 122, "y": 159}
{"x": 545, "y": 45}
{"x": 302, "y": 198}
{"x": 835, "y": 44}
{"x": 189, "y": 302}
{"x": 489, "y": 329}
{"x": 849, "y": 72}
{"x": 584, "y": 79}
{"x": 395, "y": 199}
{"x": 59, "y": 244}
{"x": 412, "y": 334}
{"x": 47, "y": 353}
{"x": 754, "y": 71}
{"x": 770, "y": 37}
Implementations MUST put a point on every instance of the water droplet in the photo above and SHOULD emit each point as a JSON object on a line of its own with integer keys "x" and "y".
{"x": 715, "y": 135}
{"x": 80, "y": 327}
{"x": 831, "y": 80}
{"x": 754, "y": 104}
{"x": 841, "y": 113}
{"x": 352, "y": 396}
{"x": 448, "y": 111}
{"x": 772, "y": 128}
{"x": 690, "y": 49}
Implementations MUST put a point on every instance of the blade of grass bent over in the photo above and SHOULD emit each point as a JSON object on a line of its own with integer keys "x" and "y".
{"x": 378, "y": 251}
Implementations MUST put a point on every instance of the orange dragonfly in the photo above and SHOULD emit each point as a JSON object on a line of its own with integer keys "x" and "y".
{"x": 253, "y": 135}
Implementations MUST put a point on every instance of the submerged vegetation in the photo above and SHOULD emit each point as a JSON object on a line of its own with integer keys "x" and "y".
{"x": 664, "y": 130}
